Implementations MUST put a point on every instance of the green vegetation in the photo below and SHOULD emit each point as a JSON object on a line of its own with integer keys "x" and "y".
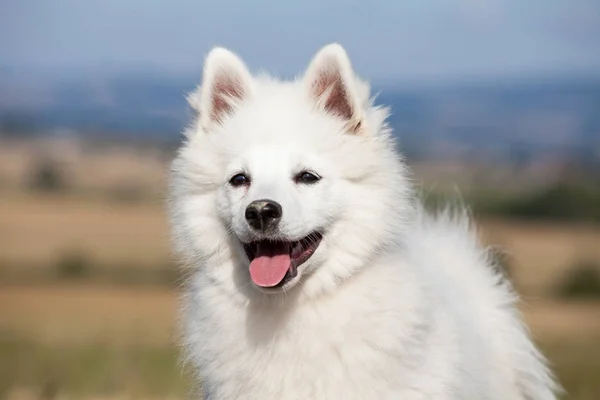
{"x": 76, "y": 267}
{"x": 581, "y": 281}
{"x": 142, "y": 372}
{"x": 73, "y": 265}
{"x": 560, "y": 202}
{"x": 77, "y": 370}
{"x": 47, "y": 176}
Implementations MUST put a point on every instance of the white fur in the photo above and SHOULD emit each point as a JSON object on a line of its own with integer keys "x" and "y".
{"x": 394, "y": 304}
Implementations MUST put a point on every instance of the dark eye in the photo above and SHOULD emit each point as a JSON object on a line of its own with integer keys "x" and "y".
{"x": 239, "y": 180}
{"x": 307, "y": 177}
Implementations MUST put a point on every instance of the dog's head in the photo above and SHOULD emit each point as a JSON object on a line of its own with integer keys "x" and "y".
{"x": 286, "y": 183}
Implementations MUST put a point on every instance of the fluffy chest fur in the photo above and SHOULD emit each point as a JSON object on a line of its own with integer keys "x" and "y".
{"x": 376, "y": 337}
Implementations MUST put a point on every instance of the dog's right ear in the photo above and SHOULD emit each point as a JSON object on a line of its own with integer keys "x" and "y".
{"x": 226, "y": 82}
{"x": 333, "y": 86}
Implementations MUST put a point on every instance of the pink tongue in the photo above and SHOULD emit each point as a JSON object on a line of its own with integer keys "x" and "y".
{"x": 270, "y": 265}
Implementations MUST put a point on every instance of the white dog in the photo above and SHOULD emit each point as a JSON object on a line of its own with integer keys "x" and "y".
{"x": 316, "y": 274}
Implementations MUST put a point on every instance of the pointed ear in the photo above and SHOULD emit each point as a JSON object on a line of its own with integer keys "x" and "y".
{"x": 226, "y": 82}
{"x": 333, "y": 86}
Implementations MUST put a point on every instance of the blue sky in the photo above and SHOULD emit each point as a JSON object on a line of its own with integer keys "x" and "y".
{"x": 388, "y": 40}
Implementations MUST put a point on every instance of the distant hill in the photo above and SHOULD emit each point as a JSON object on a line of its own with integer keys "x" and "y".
{"x": 516, "y": 119}
{"x": 120, "y": 107}
{"x": 513, "y": 118}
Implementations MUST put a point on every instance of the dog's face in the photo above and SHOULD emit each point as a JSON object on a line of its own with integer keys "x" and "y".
{"x": 295, "y": 182}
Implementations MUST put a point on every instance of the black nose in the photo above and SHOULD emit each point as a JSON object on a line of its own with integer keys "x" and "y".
{"x": 263, "y": 215}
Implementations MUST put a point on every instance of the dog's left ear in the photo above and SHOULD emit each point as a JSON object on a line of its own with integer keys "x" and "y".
{"x": 333, "y": 85}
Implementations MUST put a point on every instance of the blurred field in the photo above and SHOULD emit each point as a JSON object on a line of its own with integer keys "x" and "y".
{"x": 88, "y": 290}
{"x": 95, "y": 340}
{"x": 38, "y": 232}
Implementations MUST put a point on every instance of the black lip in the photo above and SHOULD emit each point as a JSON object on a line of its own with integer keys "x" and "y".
{"x": 300, "y": 251}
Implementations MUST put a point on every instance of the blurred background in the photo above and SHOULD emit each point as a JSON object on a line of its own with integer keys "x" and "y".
{"x": 496, "y": 102}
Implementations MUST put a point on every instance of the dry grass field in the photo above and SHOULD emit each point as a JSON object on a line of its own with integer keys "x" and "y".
{"x": 38, "y": 231}
{"x": 92, "y": 340}
{"x": 88, "y": 289}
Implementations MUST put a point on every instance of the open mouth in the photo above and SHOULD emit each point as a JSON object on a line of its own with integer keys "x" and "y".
{"x": 273, "y": 263}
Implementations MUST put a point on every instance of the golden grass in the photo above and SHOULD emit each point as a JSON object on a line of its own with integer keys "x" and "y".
{"x": 29, "y": 394}
{"x": 85, "y": 166}
{"x": 69, "y": 314}
{"x": 38, "y": 230}
{"x": 79, "y": 341}
{"x": 541, "y": 253}
{"x": 102, "y": 329}
{"x": 94, "y": 330}
{"x": 125, "y": 316}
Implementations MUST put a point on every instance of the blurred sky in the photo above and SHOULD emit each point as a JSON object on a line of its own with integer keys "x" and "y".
{"x": 388, "y": 40}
